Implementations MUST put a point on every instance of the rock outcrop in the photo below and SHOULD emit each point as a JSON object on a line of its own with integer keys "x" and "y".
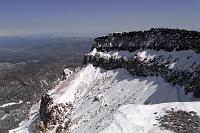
{"x": 157, "y": 39}
{"x": 53, "y": 116}
{"x": 168, "y": 40}
{"x": 169, "y": 53}
{"x": 180, "y": 121}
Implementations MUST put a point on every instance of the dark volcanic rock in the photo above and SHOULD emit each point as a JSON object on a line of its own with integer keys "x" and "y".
{"x": 46, "y": 101}
{"x": 52, "y": 116}
{"x": 180, "y": 121}
{"x": 157, "y": 39}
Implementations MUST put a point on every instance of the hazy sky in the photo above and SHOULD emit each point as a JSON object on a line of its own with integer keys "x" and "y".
{"x": 95, "y": 16}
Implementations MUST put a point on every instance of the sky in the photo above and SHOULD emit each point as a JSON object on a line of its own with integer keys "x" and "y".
{"x": 91, "y": 17}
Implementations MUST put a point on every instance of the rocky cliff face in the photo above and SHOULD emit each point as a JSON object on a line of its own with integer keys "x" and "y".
{"x": 156, "y": 39}
{"x": 52, "y": 116}
{"x": 170, "y": 53}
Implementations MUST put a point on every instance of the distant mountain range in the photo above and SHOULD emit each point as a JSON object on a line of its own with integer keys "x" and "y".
{"x": 21, "y": 48}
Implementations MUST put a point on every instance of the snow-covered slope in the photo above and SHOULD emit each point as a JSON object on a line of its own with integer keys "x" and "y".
{"x": 96, "y": 103}
{"x": 142, "y": 118}
{"x": 129, "y": 82}
{"x": 96, "y": 94}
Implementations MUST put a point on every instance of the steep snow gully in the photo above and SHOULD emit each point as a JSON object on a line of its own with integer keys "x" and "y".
{"x": 97, "y": 94}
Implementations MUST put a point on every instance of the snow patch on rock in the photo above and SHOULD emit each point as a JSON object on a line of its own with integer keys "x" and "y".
{"x": 177, "y": 59}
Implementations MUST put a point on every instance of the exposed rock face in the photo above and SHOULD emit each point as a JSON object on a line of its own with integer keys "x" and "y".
{"x": 46, "y": 102}
{"x": 180, "y": 121}
{"x": 53, "y": 116}
{"x": 154, "y": 39}
{"x": 157, "y": 39}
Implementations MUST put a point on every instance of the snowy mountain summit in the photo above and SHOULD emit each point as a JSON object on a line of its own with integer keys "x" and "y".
{"x": 132, "y": 82}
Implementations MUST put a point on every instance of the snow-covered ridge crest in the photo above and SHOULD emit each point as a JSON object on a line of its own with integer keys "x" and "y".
{"x": 96, "y": 97}
{"x": 65, "y": 91}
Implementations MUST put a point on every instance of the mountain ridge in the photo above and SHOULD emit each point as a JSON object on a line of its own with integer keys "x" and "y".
{"x": 131, "y": 42}
{"x": 126, "y": 73}
{"x": 155, "y": 38}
